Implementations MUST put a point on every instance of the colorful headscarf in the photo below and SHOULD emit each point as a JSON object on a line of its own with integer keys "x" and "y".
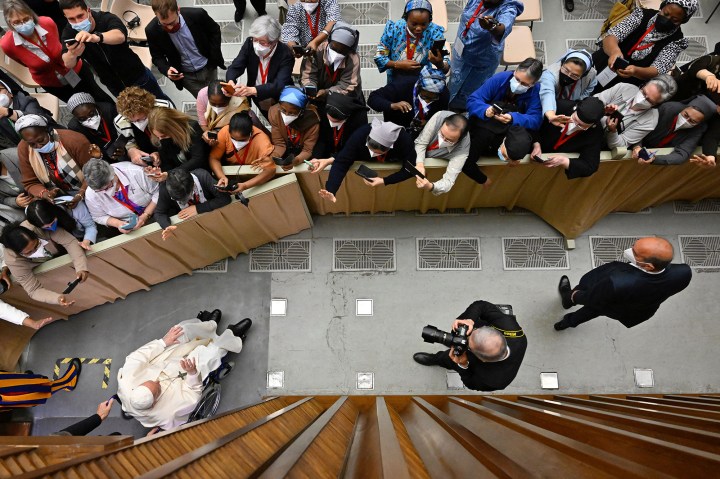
{"x": 690, "y": 7}
{"x": 26, "y": 121}
{"x": 431, "y": 79}
{"x": 294, "y": 96}
{"x": 418, "y": 5}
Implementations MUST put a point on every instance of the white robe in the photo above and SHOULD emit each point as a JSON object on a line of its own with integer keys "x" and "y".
{"x": 154, "y": 361}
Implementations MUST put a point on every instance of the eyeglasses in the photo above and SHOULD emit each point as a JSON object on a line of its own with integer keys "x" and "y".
{"x": 644, "y": 94}
{"x": 19, "y": 22}
{"x": 566, "y": 71}
{"x": 108, "y": 186}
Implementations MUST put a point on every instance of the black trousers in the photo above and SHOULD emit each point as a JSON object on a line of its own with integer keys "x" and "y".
{"x": 483, "y": 142}
{"x": 241, "y": 5}
{"x": 443, "y": 359}
{"x": 582, "y": 315}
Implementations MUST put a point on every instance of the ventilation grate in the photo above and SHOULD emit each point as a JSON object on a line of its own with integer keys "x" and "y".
{"x": 709, "y": 205}
{"x": 363, "y": 255}
{"x": 604, "y": 249}
{"x": 534, "y": 254}
{"x": 448, "y": 254}
{"x": 285, "y": 255}
{"x": 517, "y": 211}
{"x": 701, "y": 251}
{"x": 449, "y": 212}
{"x": 219, "y": 267}
{"x": 365, "y": 13}
{"x": 644, "y": 211}
{"x": 366, "y": 213}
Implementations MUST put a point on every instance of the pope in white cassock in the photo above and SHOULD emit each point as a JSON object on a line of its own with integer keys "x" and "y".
{"x": 160, "y": 383}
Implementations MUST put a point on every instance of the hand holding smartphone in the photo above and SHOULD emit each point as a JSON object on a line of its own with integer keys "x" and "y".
{"x": 228, "y": 88}
{"x": 366, "y": 172}
{"x": 620, "y": 64}
{"x": 71, "y": 285}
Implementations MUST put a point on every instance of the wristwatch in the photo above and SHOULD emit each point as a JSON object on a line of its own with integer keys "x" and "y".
{"x": 100, "y": 36}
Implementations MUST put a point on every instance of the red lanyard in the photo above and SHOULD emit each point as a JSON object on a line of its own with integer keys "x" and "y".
{"x": 571, "y": 90}
{"x": 263, "y": 73}
{"x": 564, "y": 138}
{"x": 195, "y": 200}
{"x": 472, "y": 19}
{"x": 644, "y": 47}
{"x": 293, "y": 137}
{"x": 54, "y": 170}
{"x": 380, "y": 158}
{"x": 337, "y": 135}
{"x": 671, "y": 134}
{"x": 314, "y": 30}
{"x": 107, "y": 136}
{"x": 247, "y": 149}
{"x": 410, "y": 47}
{"x": 123, "y": 198}
{"x": 434, "y": 146}
{"x": 333, "y": 74}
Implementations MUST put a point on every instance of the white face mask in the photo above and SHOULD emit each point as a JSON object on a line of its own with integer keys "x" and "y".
{"x": 682, "y": 123}
{"x": 93, "y": 122}
{"x": 41, "y": 252}
{"x": 443, "y": 142}
{"x": 287, "y": 119}
{"x": 640, "y": 102}
{"x": 309, "y": 7}
{"x": 336, "y": 124}
{"x": 4, "y": 100}
{"x": 334, "y": 57}
{"x": 260, "y": 50}
{"x": 218, "y": 109}
{"x": 517, "y": 87}
{"x": 141, "y": 124}
{"x": 630, "y": 256}
{"x": 239, "y": 145}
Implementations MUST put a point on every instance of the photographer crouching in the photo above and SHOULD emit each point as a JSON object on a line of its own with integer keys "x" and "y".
{"x": 487, "y": 347}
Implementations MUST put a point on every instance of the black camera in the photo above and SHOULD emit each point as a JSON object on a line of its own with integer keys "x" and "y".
{"x": 457, "y": 339}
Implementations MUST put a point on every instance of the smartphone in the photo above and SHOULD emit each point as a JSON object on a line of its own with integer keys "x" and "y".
{"x": 538, "y": 158}
{"x": 492, "y": 21}
{"x": 497, "y": 109}
{"x": 61, "y": 201}
{"x": 298, "y": 50}
{"x": 283, "y": 161}
{"x": 616, "y": 115}
{"x": 620, "y": 64}
{"x": 644, "y": 154}
{"x": 311, "y": 90}
{"x": 120, "y": 142}
{"x": 309, "y": 165}
{"x": 149, "y": 160}
{"x": 212, "y": 135}
{"x": 131, "y": 222}
{"x": 410, "y": 168}
{"x": 365, "y": 172}
{"x": 70, "y": 42}
{"x": 71, "y": 285}
{"x": 438, "y": 45}
{"x": 228, "y": 88}
{"x": 227, "y": 189}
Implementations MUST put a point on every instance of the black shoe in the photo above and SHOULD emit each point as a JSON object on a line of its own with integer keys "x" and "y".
{"x": 215, "y": 316}
{"x": 560, "y": 325}
{"x": 565, "y": 292}
{"x": 240, "y": 329}
{"x": 239, "y": 16}
{"x": 426, "y": 359}
{"x": 569, "y": 5}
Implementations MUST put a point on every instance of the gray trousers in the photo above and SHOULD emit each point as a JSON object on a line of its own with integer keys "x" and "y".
{"x": 194, "y": 82}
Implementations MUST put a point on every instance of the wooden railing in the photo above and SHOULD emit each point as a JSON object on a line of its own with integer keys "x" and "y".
{"x": 578, "y": 436}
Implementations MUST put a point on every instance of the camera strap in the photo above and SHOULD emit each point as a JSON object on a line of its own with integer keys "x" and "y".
{"x": 510, "y": 334}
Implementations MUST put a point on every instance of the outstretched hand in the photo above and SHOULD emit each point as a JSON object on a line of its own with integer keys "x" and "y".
{"x": 173, "y": 335}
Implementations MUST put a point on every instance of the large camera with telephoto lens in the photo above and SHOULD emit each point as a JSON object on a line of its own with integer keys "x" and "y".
{"x": 457, "y": 339}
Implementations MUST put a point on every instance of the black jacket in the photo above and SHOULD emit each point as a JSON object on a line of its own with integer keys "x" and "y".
{"x": 588, "y": 143}
{"x": 167, "y": 207}
{"x": 683, "y": 141}
{"x": 196, "y": 157}
{"x": 401, "y": 89}
{"x": 279, "y": 71}
{"x": 482, "y": 376}
{"x": 621, "y": 291}
{"x": 205, "y": 32}
{"x": 108, "y": 112}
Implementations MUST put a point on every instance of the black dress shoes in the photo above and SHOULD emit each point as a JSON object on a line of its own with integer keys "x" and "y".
{"x": 240, "y": 329}
{"x": 213, "y": 315}
{"x": 426, "y": 359}
{"x": 569, "y": 5}
{"x": 565, "y": 292}
{"x": 560, "y": 325}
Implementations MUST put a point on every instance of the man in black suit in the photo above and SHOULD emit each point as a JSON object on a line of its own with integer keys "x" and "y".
{"x": 266, "y": 78}
{"x": 628, "y": 292}
{"x": 185, "y": 46}
{"x": 496, "y": 344}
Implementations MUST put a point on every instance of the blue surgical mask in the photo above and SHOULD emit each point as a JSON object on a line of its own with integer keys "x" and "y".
{"x": 83, "y": 26}
{"x": 500, "y": 155}
{"x": 53, "y": 226}
{"x": 26, "y": 29}
{"x": 517, "y": 87}
{"x": 49, "y": 146}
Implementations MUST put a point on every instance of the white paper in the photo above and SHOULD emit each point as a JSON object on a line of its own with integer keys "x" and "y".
{"x": 606, "y": 76}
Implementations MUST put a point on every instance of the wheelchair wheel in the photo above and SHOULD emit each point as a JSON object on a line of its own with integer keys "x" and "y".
{"x": 208, "y": 403}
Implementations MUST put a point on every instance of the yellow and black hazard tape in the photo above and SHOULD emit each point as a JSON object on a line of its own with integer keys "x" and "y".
{"x": 103, "y": 361}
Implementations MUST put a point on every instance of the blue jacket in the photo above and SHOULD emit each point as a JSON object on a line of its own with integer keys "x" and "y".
{"x": 529, "y": 114}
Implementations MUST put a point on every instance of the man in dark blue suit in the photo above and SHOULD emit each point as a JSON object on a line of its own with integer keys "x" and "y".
{"x": 628, "y": 292}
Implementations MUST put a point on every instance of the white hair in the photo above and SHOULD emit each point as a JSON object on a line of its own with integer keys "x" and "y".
{"x": 488, "y": 344}
{"x": 265, "y": 26}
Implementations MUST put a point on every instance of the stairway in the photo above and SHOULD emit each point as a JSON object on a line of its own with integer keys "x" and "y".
{"x": 397, "y": 437}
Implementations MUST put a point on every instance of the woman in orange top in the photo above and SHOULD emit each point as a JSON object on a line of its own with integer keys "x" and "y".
{"x": 241, "y": 143}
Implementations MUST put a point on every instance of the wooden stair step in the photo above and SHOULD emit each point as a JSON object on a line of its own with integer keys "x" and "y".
{"x": 687, "y": 409}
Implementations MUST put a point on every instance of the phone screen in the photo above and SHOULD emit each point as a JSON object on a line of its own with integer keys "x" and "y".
{"x": 620, "y": 63}
{"x": 644, "y": 154}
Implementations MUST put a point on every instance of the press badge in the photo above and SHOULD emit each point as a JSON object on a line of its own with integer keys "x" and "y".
{"x": 70, "y": 78}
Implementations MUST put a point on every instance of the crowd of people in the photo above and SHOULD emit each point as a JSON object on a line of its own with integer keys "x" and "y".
{"x": 128, "y": 157}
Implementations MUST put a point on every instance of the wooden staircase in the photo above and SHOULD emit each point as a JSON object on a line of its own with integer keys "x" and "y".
{"x": 398, "y": 437}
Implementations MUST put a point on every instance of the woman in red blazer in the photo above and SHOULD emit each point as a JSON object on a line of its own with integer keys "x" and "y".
{"x": 34, "y": 42}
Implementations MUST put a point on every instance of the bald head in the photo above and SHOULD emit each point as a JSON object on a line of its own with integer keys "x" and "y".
{"x": 488, "y": 344}
{"x": 653, "y": 252}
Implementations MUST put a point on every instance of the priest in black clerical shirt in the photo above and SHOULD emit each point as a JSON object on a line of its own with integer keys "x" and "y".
{"x": 496, "y": 348}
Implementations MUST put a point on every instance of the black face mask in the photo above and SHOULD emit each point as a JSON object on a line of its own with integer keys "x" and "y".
{"x": 664, "y": 24}
{"x": 565, "y": 80}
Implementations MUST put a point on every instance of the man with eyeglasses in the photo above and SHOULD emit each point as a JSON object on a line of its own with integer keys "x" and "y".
{"x": 582, "y": 134}
{"x": 496, "y": 348}
{"x": 679, "y": 127}
{"x": 630, "y": 292}
{"x": 631, "y": 112}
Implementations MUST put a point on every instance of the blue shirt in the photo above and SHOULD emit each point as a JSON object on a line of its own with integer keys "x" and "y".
{"x": 477, "y": 41}
{"x": 393, "y": 45}
{"x": 529, "y": 114}
{"x": 190, "y": 58}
